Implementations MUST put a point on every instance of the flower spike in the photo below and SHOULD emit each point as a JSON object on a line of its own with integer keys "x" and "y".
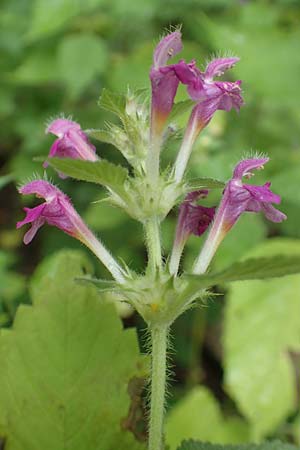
{"x": 72, "y": 142}
{"x": 192, "y": 219}
{"x": 209, "y": 96}
{"x": 58, "y": 211}
{"x": 237, "y": 199}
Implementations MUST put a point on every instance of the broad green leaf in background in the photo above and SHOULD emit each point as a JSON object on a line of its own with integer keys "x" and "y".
{"x": 197, "y": 416}
{"x": 66, "y": 365}
{"x": 278, "y": 265}
{"x": 80, "y": 59}
{"x": 132, "y": 69}
{"x": 99, "y": 172}
{"x": 248, "y": 232}
{"x": 261, "y": 327}
{"x": 50, "y": 17}
{"x": 255, "y": 27}
{"x": 276, "y": 445}
{"x": 39, "y": 66}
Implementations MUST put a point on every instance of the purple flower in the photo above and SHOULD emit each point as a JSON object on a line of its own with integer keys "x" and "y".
{"x": 210, "y": 95}
{"x": 238, "y": 198}
{"x": 57, "y": 210}
{"x": 164, "y": 81}
{"x": 71, "y": 143}
{"x": 192, "y": 219}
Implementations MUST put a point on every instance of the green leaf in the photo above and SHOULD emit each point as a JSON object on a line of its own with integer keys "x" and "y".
{"x": 258, "y": 27}
{"x": 113, "y": 102}
{"x": 276, "y": 445}
{"x": 66, "y": 365}
{"x": 204, "y": 183}
{"x": 101, "y": 285}
{"x": 180, "y": 108}
{"x": 50, "y": 17}
{"x": 100, "y": 172}
{"x": 261, "y": 327}
{"x": 250, "y": 269}
{"x": 101, "y": 135}
{"x": 198, "y": 416}
{"x": 80, "y": 58}
{"x": 38, "y": 67}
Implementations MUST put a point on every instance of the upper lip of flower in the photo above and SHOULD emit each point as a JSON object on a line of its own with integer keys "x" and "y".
{"x": 168, "y": 47}
{"x": 244, "y": 167}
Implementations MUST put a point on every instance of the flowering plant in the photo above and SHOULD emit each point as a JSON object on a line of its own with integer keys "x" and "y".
{"x": 145, "y": 192}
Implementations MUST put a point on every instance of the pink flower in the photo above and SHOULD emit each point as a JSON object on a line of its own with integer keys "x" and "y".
{"x": 210, "y": 95}
{"x": 71, "y": 143}
{"x": 194, "y": 218}
{"x": 58, "y": 211}
{"x": 238, "y": 198}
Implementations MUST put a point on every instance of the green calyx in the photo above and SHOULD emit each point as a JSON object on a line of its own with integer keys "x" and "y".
{"x": 144, "y": 201}
{"x": 159, "y": 299}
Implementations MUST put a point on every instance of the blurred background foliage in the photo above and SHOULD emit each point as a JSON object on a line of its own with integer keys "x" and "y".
{"x": 239, "y": 354}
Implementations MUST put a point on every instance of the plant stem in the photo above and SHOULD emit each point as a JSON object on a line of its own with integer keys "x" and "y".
{"x": 192, "y": 131}
{"x": 96, "y": 246}
{"x": 153, "y": 160}
{"x": 153, "y": 243}
{"x": 158, "y": 386}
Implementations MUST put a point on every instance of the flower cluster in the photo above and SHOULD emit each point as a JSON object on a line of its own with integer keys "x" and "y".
{"x": 208, "y": 96}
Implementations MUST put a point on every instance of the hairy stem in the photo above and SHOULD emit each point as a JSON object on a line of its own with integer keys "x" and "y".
{"x": 153, "y": 243}
{"x": 105, "y": 257}
{"x": 153, "y": 160}
{"x": 193, "y": 129}
{"x": 158, "y": 386}
{"x": 175, "y": 257}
